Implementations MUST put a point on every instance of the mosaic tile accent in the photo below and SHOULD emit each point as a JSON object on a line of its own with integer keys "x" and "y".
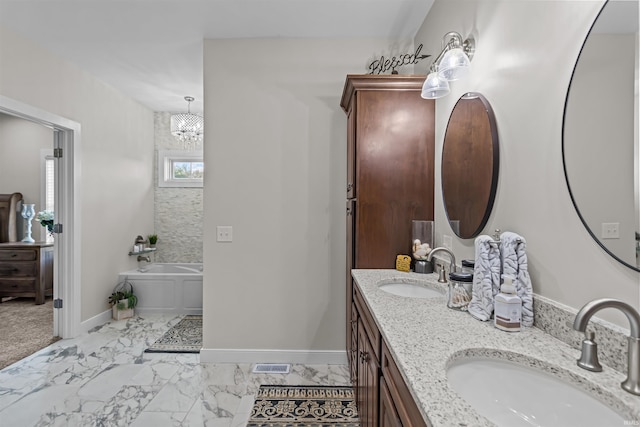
{"x": 178, "y": 212}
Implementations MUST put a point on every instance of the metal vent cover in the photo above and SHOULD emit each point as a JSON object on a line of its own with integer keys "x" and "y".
{"x": 271, "y": 368}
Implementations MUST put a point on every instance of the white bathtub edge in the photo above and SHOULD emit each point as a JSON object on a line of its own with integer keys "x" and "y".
{"x": 308, "y": 357}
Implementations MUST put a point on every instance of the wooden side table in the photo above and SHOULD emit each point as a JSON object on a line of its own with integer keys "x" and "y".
{"x": 26, "y": 270}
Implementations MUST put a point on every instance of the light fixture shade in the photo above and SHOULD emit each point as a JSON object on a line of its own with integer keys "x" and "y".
{"x": 454, "y": 65}
{"x": 434, "y": 87}
{"x": 188, "y": 128}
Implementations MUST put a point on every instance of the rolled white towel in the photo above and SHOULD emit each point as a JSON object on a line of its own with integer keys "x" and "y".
{"x": 486, "y": 278}
{"x": 514, "y": 264}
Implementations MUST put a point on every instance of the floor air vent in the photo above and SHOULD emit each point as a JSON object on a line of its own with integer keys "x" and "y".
{"x": 271, "y": 368}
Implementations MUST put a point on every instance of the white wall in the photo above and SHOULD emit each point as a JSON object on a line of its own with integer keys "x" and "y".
{"x": 20, "y": 144}
{"x": 599, "y": 139}
{"x": 523, "y": 62}
{"x": 275, "y": 151}
{"x": 117, "y": 158}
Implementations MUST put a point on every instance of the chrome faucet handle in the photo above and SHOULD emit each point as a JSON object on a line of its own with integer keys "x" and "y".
{"x": 589, "y": 357}
{"x": 442, "y": 278}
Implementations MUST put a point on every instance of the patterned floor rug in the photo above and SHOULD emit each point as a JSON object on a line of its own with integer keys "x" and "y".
{"x": 278, "y": 406}
{"x": 184, "y": 337}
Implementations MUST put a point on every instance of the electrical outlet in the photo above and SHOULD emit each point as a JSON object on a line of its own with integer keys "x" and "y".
{"x": 224, "y": 233}
{"x": 610, "y": 230}
{"x": 447, "y": 242}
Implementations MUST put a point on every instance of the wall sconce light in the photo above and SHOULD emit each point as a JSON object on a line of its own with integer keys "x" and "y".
{"x": 450, "y": 65}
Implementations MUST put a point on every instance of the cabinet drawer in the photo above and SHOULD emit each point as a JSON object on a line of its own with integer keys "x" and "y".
{"x": 18, "y": 255}
{"x": 18, "y": 269}
{"x": 17, "y": 285}
{"x": 369, "y": 324}
{"x": 405, "y": 404}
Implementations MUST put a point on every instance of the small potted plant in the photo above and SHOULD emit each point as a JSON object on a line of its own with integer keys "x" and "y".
{"x": 153, "y": 239}
{"x": 123, "y": 300}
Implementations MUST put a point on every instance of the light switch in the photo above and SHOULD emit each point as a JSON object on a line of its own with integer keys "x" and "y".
{"x": 610, "y": 230}
{"x": 224, "y": 233}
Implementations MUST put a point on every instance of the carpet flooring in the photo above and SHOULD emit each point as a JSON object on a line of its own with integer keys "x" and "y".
{"x": 184, "y": 337}
{"x": 24, "y": 329}
{"x": 280, "y": 405}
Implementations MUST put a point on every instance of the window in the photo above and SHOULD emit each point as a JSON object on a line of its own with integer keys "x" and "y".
{"x": 47, "y": 189}
{"x": 180, "y": 169}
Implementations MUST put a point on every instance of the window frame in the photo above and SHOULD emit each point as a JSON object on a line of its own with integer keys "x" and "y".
{"x": 166, "y": 160}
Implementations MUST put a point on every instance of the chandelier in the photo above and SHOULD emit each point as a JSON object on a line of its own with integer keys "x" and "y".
{"x": 186, "y": 127}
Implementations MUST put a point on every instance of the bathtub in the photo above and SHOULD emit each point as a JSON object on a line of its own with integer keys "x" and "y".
{"x": 167, "y": 288}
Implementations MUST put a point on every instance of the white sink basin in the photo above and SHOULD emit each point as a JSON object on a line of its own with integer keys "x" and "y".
{"x": 509, "y": 394}
{"x": 410, "y": 290}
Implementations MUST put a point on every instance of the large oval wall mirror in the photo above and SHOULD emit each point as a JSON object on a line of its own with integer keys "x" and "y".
{"x": 470, "y": 160}
{"x": 600, "y": 147}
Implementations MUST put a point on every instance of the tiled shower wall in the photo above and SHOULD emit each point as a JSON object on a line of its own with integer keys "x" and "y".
{"x": 178, "y": 211}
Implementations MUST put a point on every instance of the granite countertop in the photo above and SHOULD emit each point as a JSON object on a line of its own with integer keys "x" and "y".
{"x": 425, "y": 337}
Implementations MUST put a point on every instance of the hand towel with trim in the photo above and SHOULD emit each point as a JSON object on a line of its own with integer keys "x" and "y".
{"x": 486, "y": 278}
{"x": 514, "y": 264}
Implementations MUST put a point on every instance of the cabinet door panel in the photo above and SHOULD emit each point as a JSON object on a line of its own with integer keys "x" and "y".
{"x": 404, "y": 403}
{"x": 394, "y": 173}
{"x": 368, "y": 379}
{"x": 388, "y": 414}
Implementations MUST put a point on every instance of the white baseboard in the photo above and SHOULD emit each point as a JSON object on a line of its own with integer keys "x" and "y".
{"x": 97, "y": 320}
{"x": 307, "y": 357}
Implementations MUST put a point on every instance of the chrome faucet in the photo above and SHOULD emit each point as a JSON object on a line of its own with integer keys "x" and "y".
{"x": 144, "y": 258}
{"x": 451, "y": 255}
{"x": 632, "y": 383}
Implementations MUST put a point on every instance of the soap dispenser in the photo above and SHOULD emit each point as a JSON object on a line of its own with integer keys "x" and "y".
{"x": 507, "y": 307}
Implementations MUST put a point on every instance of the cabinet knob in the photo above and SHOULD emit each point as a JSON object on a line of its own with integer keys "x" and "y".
{"x": 349, "y": 186}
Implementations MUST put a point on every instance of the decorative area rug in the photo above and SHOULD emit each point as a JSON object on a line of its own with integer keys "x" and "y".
{"x": 184, "y": 337}
{"x": 280, "y": 405}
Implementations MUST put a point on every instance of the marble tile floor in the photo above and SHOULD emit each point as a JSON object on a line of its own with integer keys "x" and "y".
{"x": 103, "y": 378}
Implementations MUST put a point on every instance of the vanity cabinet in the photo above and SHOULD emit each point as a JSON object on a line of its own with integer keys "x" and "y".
{"x": 26, "y": 270}
{"x": 390, "y": 171}
{"x": 382, "y": 397}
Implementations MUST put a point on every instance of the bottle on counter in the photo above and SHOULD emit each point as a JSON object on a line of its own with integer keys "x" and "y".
{"x": 507, "y": 307}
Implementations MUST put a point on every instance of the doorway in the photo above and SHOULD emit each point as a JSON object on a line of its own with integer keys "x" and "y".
{"x": 67, "y": 250}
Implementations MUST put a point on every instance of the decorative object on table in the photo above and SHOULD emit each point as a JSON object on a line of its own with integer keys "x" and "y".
{"x": 403, "y": 263}
{"x": 28, "y": 213}
{"x": 422, "y": 239}
{"x": 184, "y": 337}
{"x": 153, "y": 239}
{"x": 379, "y": 66}
{"x": 45, "y": 218}
{"x": 288, "y": 405}
{"x": 188, "y": 128}
{"x": 123, "y": 300}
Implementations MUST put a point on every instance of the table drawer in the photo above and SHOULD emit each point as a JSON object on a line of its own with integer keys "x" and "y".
{"x": 18, "y": 269}
{"x": 17, "y": 285}
{"x": 18, "y": 255}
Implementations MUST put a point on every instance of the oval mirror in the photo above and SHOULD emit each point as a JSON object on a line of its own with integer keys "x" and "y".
{"x": 600, "y": 149}
{"x": 470, "y": 160}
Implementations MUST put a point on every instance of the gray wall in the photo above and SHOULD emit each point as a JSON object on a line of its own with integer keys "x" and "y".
{"x": 524, "y": 57}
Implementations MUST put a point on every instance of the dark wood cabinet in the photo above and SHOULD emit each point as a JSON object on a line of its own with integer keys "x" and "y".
{"x": 404, "y": 406}
{"x": 390, "y": 164}
{"x": 26, "y": 270}
{"x": 388, "y": 414}
{"x": 382, "y": 396}
{"x": 390, "y": 178}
